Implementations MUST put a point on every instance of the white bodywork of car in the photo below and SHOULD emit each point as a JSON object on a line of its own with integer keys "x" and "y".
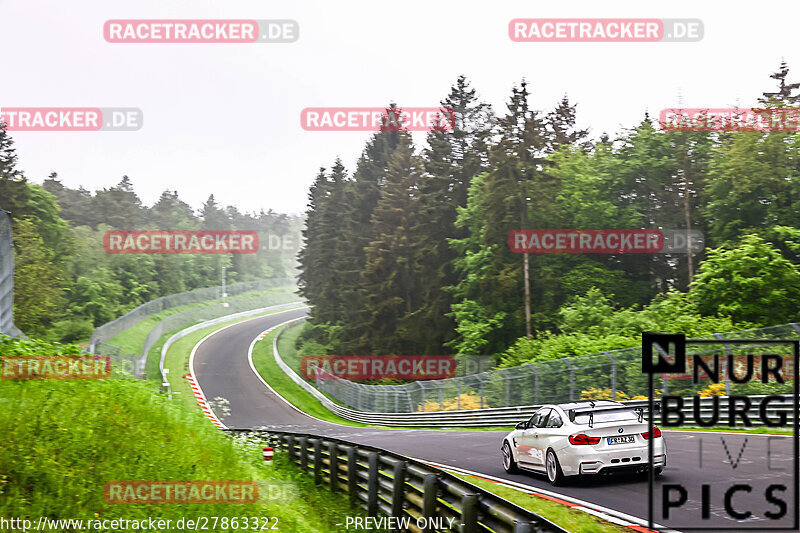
{"x": 615, "y": 436}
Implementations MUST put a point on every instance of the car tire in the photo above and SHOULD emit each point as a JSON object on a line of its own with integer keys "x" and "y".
{"x": 553, "y": 468}
{"x": 509, "y": 464}
{"x": 657, "y": 471}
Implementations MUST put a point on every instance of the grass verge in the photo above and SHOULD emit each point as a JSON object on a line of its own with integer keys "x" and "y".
{"x": 566, "y": 517}
{"x": 266, "y": 366}
{"x": 132, "y": 339}
{"x": 63, "y": 440}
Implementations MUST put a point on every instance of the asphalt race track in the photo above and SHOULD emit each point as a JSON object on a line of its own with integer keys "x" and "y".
{"x": 694, "y": 458}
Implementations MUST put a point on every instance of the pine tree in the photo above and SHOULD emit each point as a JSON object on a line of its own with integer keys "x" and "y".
{"x": 76, "y": 204}
{"x": 8, "y": 156}
{"x": 319, "y": 280}
{"x": 561, "y": 128}
{"x": 391, "y": 279}
{"x": 452, "y": 159}
{"x": 786, "y": 94}
{"x": 360, "y": 199}
{"x": 14, "y": 195}
{"x": 214, "y": 217}
{"x": 119, "y": 206}
{"x": 515, "y": 193}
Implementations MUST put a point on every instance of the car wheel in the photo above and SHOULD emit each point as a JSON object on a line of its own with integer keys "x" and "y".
{"x": 554, "y": 474}
{"x": 509, "y": 464}
{"x": 657, "y": 471}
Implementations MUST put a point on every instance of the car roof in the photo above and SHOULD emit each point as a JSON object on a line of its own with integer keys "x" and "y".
{"x": 586, "y": 403}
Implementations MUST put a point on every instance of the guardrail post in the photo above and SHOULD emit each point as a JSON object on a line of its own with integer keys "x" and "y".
{"x": 571, "y": 379}
{"x": 481, "y": 380}
{"x": 430, "y": 491}
{"x": 535, "y": 383}
{"x": 441, "y": 398}
{"x": 303, "y": 453}
{"x": 290, "y": 446}
{"x": 508, "y": 386}
{"x": 469, "y": 513}
{"x": 459, "y": 396}
{"x": 372, "y": 485}
{"x": 333, "y": 454}
{"x": 524, "y": 527}
{"x": 399, "y": 488}
{"x": 317, "y": 461}
{"x": 613, "y": 376}
{"x": 410, "y": 399}
{"x": 352, "y": 472}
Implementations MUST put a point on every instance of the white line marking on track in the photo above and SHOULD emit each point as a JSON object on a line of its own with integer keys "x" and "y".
{"x": 253, "y": 368}
{"x": 596, "y": 510}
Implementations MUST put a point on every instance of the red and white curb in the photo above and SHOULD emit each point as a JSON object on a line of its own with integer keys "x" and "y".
{"x": 198, "y": 391}
{"x": 201, "y": 399}
{"x": 609, "y": 515}
{"x": 273, "y": 328}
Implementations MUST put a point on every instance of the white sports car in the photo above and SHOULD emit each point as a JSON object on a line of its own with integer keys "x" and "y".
{"x": 586, "y": 437}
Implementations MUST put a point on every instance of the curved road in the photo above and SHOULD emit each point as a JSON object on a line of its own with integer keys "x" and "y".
{"x": 222, "y": 369}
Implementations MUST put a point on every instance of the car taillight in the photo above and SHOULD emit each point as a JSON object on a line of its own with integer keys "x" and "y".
{"x": 580, "y": 438}
{"x": 656, "y": 433}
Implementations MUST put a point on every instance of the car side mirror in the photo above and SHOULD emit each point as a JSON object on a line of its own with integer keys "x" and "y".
{"x": 522, "y": 425}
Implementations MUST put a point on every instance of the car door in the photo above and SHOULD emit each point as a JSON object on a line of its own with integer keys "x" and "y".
{"x": 529, "y": 449}
{"x": 551, "y": 433}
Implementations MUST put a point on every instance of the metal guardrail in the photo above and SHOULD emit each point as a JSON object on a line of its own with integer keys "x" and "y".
{"x": 614, "y": 374}
{"x": 111, "y": 329}
{"x": 136, "y": 363}
{"x": 199, "y": 314}
{"x": 7, "y": 326}
{"x": 495, "y": 417}
{"x": 393, "y": 485}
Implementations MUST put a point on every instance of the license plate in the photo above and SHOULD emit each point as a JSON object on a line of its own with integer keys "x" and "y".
{"x": 627, "y": 439}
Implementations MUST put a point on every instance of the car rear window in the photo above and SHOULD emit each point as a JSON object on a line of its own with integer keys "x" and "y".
{"x": 609, "y": 416}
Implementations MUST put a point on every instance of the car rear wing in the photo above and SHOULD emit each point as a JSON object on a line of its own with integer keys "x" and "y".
{"x": 572, "y": 413}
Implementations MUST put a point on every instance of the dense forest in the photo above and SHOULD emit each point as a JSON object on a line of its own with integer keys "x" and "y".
{"x": 408, "y": 253}
{"x": 66, "y": 284}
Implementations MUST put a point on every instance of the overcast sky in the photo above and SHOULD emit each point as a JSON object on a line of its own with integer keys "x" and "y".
{"x": 224, "y": 118}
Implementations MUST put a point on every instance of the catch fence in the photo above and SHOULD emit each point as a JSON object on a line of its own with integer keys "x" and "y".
{"x": 615, "y": 375}
{"x": 136, "y": 363}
